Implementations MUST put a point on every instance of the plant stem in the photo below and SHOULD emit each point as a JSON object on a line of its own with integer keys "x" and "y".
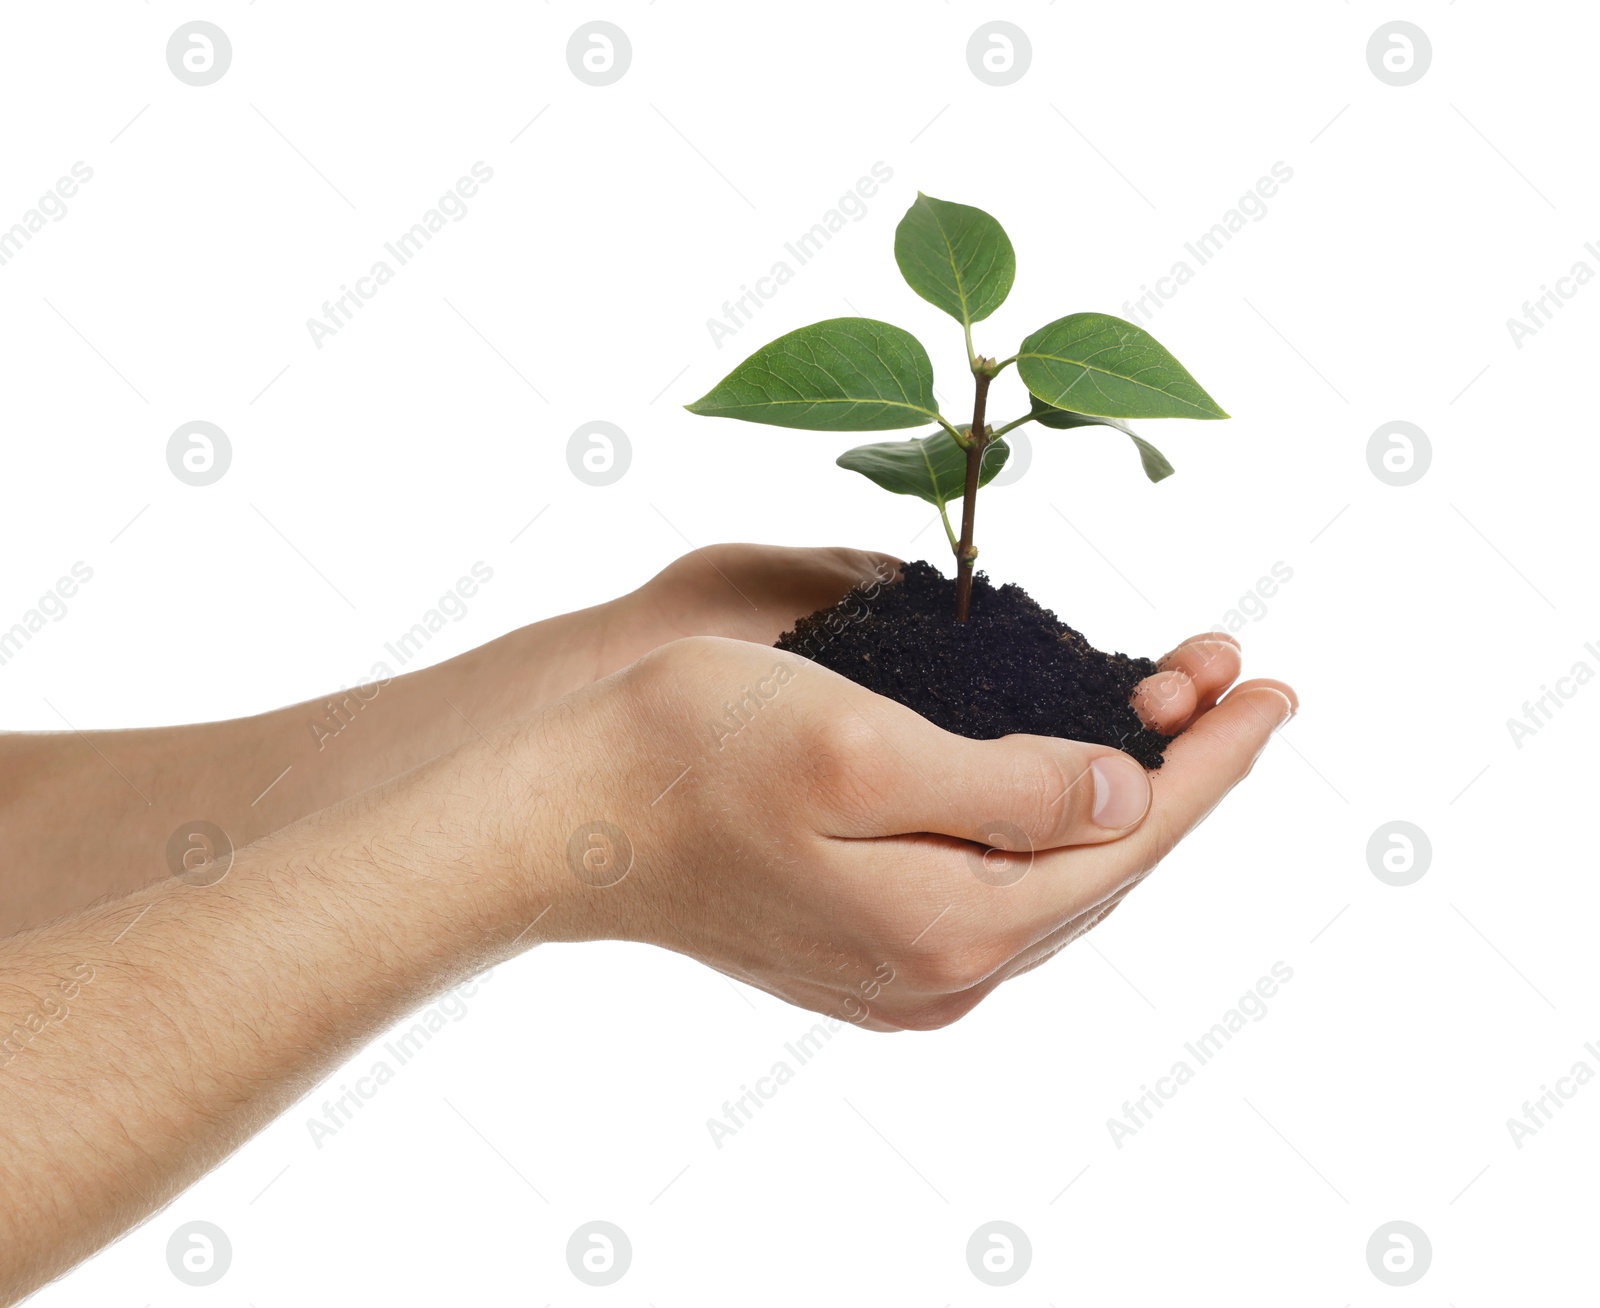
{"x": 1012, "y": 425}
{"x": 978, "y": 437}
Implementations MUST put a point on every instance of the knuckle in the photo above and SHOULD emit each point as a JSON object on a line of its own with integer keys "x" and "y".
{"x": 663, "y": 662}
{"x": 667, "y": 668}
{"x": 646, "y": 686}
{"x": 840, "y": 735}
{"x": 1060, "y": 795}
{"x": 661, "y": 692}
{"x": 839, "y": 751}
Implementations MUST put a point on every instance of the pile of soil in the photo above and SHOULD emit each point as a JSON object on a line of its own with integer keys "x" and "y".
{"x": 1013, "y": 666}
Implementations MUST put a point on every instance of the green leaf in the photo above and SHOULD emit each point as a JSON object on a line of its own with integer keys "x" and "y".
{"x": 933, "y": 468}
{"x": 955, "y": 257}
{"x": 1155, "y": 462}
{"x": 1092, "y": 363}
{"x": 845, "y": 374}
{"x": 1047, "y": 415}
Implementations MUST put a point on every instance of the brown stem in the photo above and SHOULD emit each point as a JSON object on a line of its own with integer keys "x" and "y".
{"x": 965, "y": 554}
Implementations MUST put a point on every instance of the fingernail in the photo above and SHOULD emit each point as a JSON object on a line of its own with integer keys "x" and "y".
{"x": 1284, "y": 708}
{"x": 1121, "y": 791}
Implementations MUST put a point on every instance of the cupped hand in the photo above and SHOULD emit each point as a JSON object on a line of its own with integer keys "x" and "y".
{"x": 744, "y": 592}
{"x": 773, "y": 820}
{"x": 756, "y": 593}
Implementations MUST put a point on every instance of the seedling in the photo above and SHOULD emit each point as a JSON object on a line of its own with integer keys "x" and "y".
{"x": 857, "y": 374}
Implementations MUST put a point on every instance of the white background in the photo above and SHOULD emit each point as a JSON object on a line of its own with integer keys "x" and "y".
{"x": 428, "y": 432}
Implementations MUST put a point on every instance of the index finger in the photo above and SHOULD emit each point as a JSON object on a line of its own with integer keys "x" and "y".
{"x": 1201, "y": 767}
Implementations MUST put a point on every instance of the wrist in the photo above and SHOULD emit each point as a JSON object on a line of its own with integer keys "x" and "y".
{"x": 560, "y": 840}
{"x": 487, "y": 827}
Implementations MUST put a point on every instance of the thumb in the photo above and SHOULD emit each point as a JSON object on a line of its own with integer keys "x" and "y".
{"x": 1018, "y": 792}
{"x": 1201, "y": 766}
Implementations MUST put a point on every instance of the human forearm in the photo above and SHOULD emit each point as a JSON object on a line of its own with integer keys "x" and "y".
{"x": 199, "y": 1012}
{"x": 92, "y": 814}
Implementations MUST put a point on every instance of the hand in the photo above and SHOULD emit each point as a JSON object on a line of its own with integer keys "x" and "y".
{"x": 756, "y": 593}
{"x": 337, "y": 746}
{"x": 781, "y": 824}
{"x": 760, "y": 814}
{"x": 744, "y": 592}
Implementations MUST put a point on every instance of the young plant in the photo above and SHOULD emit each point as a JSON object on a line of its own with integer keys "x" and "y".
{"x": 857, "y": 374}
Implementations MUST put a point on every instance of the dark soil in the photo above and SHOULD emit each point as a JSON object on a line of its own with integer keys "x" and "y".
{"x": 1013, "y": 666}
